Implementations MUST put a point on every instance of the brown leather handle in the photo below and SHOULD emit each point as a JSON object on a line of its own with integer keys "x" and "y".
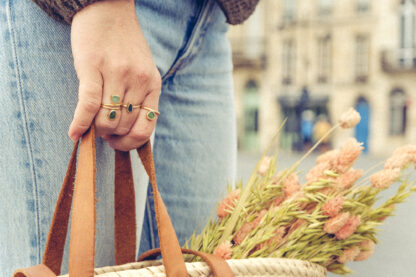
{"x": 81, "y": 260}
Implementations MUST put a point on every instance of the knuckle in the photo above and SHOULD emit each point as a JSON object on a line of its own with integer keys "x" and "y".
{"x": 142, "y": 75}
{"x": 90, "y": 105}
{"x": 90, "y": 97}
{"x": 105, "y": 125}
{"x": 121, "y": 131}
{"x": 122, "y": 67}
{"x": 140, "y": 136}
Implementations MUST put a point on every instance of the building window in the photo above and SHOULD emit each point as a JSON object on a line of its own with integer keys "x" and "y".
{"x": 289, "y": 60}
{"x": 324, "y": 59}
{"x": 289, "y": 10}
{"x": 362, "y": 48}
{"x": 325, "y": 7}
{"x": 407, "y": 33}
{"x": 362, "y": 6}
{"x": 398, "y": 112}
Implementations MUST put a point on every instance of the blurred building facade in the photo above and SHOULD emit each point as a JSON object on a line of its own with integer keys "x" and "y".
{"x": 297, "y": 58}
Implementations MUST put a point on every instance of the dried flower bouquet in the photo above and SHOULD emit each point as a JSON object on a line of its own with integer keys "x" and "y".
{"x": 330, "y": 220}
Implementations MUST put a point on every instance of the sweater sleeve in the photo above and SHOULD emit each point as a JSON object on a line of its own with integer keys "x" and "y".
{"x": 63, "y": 10}
{"x": 237, "y": 11}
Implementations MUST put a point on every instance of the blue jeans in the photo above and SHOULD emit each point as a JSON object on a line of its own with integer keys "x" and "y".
{"x": 194, "y": 141}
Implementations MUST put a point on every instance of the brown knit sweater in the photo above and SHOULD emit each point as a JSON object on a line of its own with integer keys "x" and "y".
{"x": 236, "y": 11}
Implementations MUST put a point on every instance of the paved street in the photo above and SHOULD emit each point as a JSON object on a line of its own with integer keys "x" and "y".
{"x": 395, "y": 255}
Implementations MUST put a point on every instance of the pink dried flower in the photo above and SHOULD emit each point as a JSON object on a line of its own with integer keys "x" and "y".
{"x": 279, "y": 234}
{"x": 291, "y": 185}
{"x": 333, "y": 206}
{"x": 346, "y": 180}
{"x": 367, "y": 249}
{"x": 243, "y": 233}
{"x": 349, "y": 255}
{"x": 406, "y": 149}
{"x": 348, "y": 153}
{"x": 384, "y": 178}
{"x": 260, "y": 215}
{"x": 317, "y": 172}
{"x": 398, "y": 161}
{"x": 228, "y": 203}
{"x": 298, "y": 223}
{"x": 264, "y": 165}
{"x": 349, "y": 228}
{"x": 328, "y": 157}
{"x": 334, "y": 224}
{"x": 349, "y": 119}
{"x": 277, "y": 201}
{"x": 224, "y": 250}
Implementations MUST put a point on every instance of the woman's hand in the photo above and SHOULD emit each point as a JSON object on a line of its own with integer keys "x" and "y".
{"x": 111, "y": 57}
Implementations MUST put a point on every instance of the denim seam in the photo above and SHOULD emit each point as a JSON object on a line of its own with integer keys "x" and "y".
{"x": 24, "y": 119}
{"x": 188, "y": 51}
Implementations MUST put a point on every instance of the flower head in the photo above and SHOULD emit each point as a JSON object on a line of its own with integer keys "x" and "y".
{"x": 291, "y": 185}
{"x": 367, "y": 249}
{"x": 328, "y": 157}
{"x": 384, "y": 178}
{"x": 224, "y": 250}
{"x": 260, "y": 215}
{"x": 334, "y": 224}
{"x": 333, "y": 206}
{"x": 317, "y": 172}
{"x": 398, "y": 161}
{"x": 264, "y": 165}
{"x": 349, "y": 255}
{"x": 228, "y": 203}
{"x": 346, "y": 180}
{"x": 349, "y": 119}
{"x": 349, "y": 228}
{"x": 348, "y": 153}
{"x": 243, "y": 232}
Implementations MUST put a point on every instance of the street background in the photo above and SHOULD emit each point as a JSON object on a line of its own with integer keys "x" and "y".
{"x": 308, "y": 61}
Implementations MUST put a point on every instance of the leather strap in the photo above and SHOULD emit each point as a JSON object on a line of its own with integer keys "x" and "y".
{"x": 81, "y": 260}
{"x": 39, "y": 270}
{"x": 171, "y": 250}
{"x": 124, "y": 210}
{"x": 219, "y": 267}
{"x": 55, "y": 243}
{"x": 82, "y": 242}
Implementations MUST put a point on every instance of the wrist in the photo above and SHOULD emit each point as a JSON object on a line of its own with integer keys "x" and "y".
{"x": 105, "y": 10}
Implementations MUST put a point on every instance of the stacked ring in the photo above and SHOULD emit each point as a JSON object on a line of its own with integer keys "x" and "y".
{"x": 130, "y": 107}
{"x": 112, "y": 114}
{"x": 151, "y": 114}
{"x": 116, "y": 106}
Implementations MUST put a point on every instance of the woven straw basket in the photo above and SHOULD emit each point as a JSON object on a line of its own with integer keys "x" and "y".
{"x": 254, "y": 267}
{"x": 80, "y": 197}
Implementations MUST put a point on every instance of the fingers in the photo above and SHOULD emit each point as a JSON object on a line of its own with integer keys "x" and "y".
{"x": 142, "y": 128}
{"x": 128, "y": 117}
{"x": 89, "y": 101}
{"x": 113, "y": 93}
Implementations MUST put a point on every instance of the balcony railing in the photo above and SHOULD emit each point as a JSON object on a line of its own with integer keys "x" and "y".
{"x": 248, "y": 51}
{"x": 399, "y": 60}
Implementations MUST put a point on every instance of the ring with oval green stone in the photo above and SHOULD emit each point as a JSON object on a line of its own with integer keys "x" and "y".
{"x": 151, "y": 114}
{"x": 130, "y": 107}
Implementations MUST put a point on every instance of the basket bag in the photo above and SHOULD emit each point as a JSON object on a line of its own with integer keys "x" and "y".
{"x": 79, "y": 193}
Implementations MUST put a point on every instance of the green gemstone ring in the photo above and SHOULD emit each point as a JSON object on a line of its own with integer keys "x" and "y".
{"x": 151, "y": 114}
{"x": 112, "y": 114}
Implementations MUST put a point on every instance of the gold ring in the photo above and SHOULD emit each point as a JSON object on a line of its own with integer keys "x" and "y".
{"x": 151, "y": 114}
{"x": 112, "y": 114}
{"x": 130, "y": 107}
{"x": 111, "y": 106}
